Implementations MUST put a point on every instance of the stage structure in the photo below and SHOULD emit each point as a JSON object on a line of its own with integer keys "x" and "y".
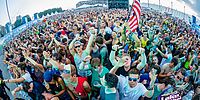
{"x": 121, "y": 4}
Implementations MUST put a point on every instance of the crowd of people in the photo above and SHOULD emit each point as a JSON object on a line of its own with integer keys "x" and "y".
{"x": 91, "y": 54}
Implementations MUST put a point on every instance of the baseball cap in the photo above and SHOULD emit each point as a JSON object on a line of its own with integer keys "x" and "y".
{"x": 48, "y": 75}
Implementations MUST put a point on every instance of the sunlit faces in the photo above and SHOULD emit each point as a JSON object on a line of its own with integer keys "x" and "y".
{"x": 133, "y": 79}
{"x": 184, "y": 52}
{"x": 78, "y": 47}
{"x": 155, "y": 60}
{"x": 75, "y": 28}
{"x": 97, "y": 67}
{"x": 117, "y": 24}
{"x": 171, "y": 64}
{"x": 127, "y": 60}
{"x": 121, "y": 52}
{"x": 114, "y": 34}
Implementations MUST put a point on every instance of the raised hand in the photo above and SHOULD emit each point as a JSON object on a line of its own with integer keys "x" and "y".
{"x": 5, "y": 62}
{"x": 26, "y": 54}
{"x": 141, "y": 50}
{"x": 87, "y": 58}
{"x": 14, "y": 94}
{"x": 120, "y": 63}
{"x": 46, "y": 55}
{"x": 115, "y": 47}
{"x": 52, "y": 36}
{"x": 153, "y": 75}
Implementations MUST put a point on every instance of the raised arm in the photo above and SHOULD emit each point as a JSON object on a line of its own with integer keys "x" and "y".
{"x": 150, "y": 92}
{"x": 39, "y": 66}
{"x": 120, "y": 63}
{"x": 17, "y": 89}
{"x": 135, "y": 37}
{"x": 112, "y": 55}
{"x": 18, "y": 80}
{"x": 57, "y": 42}
{"x": 88, "y": 48}
{"x": 10, "y": 64}
{"x": 162, "y": 54}
{"x": 143, "y": 59}
{"x": 173, "y": 41}
{"x": 71, "y": 45}
{"x": 54, "y": 63}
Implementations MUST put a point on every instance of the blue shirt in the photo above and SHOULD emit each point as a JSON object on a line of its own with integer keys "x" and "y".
{"x": 108, "y": 30}
{"x": 128, "y": 93}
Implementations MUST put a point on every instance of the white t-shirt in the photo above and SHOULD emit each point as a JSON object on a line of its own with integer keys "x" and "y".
{"x": 27, "y": 77}
{"x": 128, "y": 93}
{"x": 168, "y": 60}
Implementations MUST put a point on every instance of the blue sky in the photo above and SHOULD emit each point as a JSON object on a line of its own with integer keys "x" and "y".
{"x": 23, "y": 7}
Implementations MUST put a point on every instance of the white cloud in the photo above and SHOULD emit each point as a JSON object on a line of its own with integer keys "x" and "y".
{"x": 23, "y": 7}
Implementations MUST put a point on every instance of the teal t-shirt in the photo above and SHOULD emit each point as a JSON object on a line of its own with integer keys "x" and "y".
{"x": 157, "y": 92}
{"x": 104, "y": 71}
{"x": 96, "y": 76}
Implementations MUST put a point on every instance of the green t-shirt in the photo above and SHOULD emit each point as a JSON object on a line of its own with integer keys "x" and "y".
{"x": 187, "y": 64}
{"x": 37, "y": 32}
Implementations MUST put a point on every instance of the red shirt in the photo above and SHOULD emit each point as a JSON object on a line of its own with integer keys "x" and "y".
{"x": 80, "y": 88}
{"x": 63, "y": 32}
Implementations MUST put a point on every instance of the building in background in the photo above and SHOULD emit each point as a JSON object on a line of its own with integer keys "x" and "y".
{"x": 2, "y": 31}
{"x": 8, "y": 27}
{"x": 24, "y": 20}
{"x": 92, "y": 3}
{"x": 35, "y": 16}
{"x": 19, "y": 17}
{"x": 120, "y": 4}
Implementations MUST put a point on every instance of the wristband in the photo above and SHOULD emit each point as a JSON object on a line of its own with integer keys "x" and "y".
{"x": 47, "y": 60}
{"x": 114, "y": 50}
{"x": 151, "y": 88}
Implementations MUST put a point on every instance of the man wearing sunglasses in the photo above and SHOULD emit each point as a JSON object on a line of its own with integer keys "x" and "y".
{"x": 128, "y": 86}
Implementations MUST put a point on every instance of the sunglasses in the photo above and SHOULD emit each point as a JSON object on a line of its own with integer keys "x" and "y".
{"x": 132, "y": 79}
{"x": 78, "y": 46}
{"x": 66, "y": 71}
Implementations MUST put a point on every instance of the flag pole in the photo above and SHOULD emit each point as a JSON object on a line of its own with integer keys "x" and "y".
{"x": 129, "y": 12}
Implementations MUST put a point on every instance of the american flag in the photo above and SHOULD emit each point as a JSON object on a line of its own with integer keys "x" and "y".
{"x": 135, "y": 16}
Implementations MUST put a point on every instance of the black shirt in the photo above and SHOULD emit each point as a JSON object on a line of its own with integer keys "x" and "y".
{"x": 122, "y": 71}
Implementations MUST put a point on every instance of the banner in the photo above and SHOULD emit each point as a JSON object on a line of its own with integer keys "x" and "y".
{"x": 171, "y": 96}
